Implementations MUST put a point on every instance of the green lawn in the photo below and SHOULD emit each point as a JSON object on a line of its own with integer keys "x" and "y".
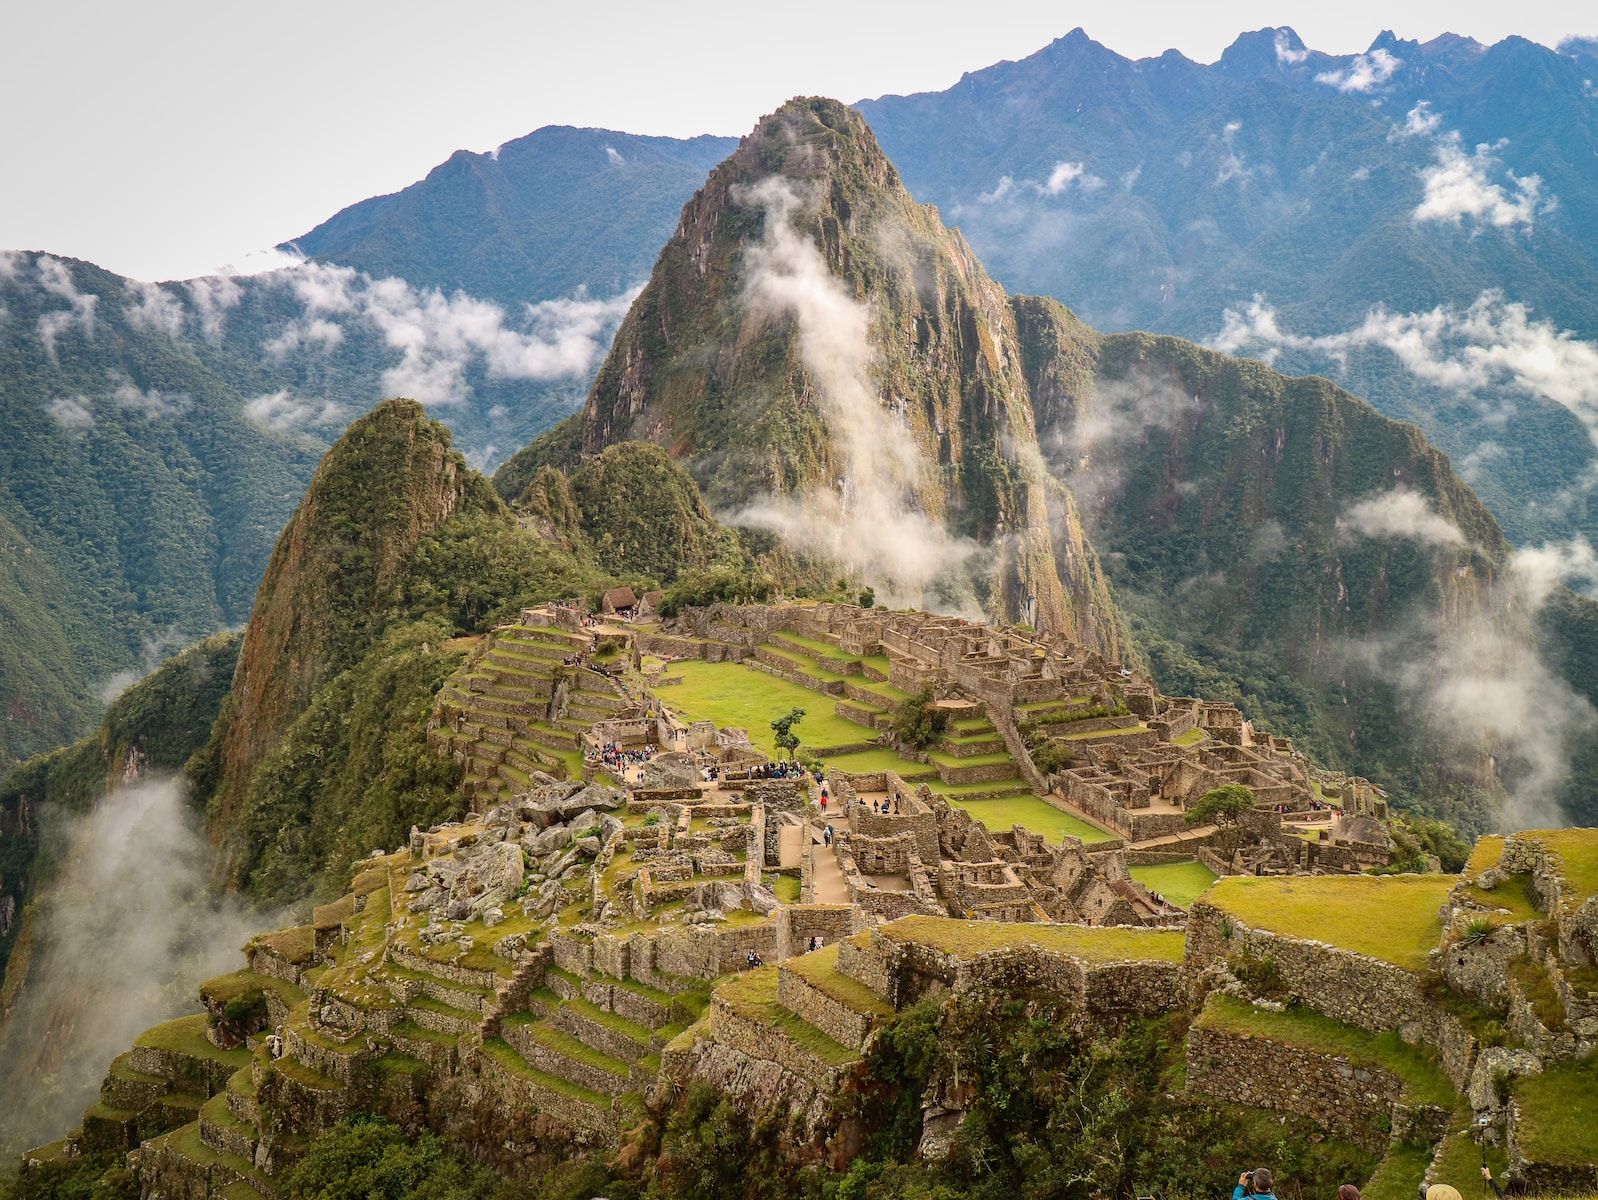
{"x": 1423, "y": 1080}
{"x": 186, "y": 1035}
{"x": 869, "y": 762}
{"x": 827, "y": 649}
{"x": 1180, "y": 883}
{"x": 820, "y": 970}
{"x": 1486, "y": 854}
{"x": 741, "y": 697}
{"x": 1559, "y": 1113}
{"x": 1031, "y": 813}
{"x": 1578, "y": 857}
{"x": 1514, "y": 894}
{"x": 1191, "y": 738}
{"x": 753, "y": 996}
{"x": 1392, "y": 917}
{"x": 1400, "y": 1172}
{"x": 1088, "y": 734}
{"x": 1095, "y": 943}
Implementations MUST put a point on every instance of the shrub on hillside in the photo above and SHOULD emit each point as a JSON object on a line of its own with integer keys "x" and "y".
{"x": 918, "y": 721}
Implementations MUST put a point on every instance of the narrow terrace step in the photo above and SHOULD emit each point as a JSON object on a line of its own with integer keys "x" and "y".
{"x": 813, "y": 989}
{"x": 221, "y": 1130}
{"x": 559, "y": 1053}
{"x": 604, "y": 1031}
{"x": 127, "y": 1088}
{"x": 440, "y": 1017}
{"x": 588, "y": 1110}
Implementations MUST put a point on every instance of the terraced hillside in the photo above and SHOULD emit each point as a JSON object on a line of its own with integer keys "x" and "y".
{"x": 970, "y": 764}
{"x": 517, "y": 706}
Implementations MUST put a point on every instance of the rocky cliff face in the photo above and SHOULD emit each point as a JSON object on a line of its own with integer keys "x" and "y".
{"x": 1325, "y": 557}
{"x": 834, "y": 365}
{"x": 387, "y": 483}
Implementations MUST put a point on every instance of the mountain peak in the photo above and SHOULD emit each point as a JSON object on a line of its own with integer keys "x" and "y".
{"x": 391, "y": 479}
{"x": 1270, "y": 49}
{"x": 832, "y": 363}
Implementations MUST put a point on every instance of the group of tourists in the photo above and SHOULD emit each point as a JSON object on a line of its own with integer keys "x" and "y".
{"x": 616, "y": 759}
{"x": 1259, "y": 1184}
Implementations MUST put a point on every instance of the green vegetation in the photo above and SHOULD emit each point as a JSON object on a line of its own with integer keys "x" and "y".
{"x": 84, "y": 1177}
{"x": 368, "y": 1159}
{"x": 1224, "y": 805}
{"x": 738, "y": 697}
{"x": 643, "y": 515}
{"x": 753, "y": 996}
{"x": 165, "y": 717}
{"x": 1393, "y": 918}
{"x": 1559, "y": 1113}
{"x": 919, "y": 721}
{"x": 731, "y": 585}
{"x": 1101, "y": 944}
{"x": 1423, "y": 1079}
{"x": 782, "y": 731}
{"x": 1181, "y": 883}
{"x": 1400, "y": 1172}
{"x": 1031, "y": 812}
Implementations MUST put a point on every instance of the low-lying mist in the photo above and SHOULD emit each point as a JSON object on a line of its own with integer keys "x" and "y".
{"x": 123, "y": 934}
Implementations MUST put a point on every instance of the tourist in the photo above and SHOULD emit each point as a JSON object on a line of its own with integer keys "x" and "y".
{"x": 823, "y": 803}
{"x": 1256, "y": 1183}
{"x": 1348, "y": 1192}
{"x": 826, "y": 835}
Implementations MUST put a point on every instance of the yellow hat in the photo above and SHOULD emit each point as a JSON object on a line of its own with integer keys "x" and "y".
{"x": 1442, "y": 1191}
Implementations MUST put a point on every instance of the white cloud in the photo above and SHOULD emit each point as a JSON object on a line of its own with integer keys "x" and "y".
{"x": 280, "y": 412}
{"x": 154, "y": 308}
{"x": 11, "y": 264}
{"x": 1232, "y": 164}
{"x": 1364, "y": 73}
{"x": 1401, "y": 513}
{"x": 871, "y": 520}
{"x": 56, "y": 278}
{"x": 613, "y": 156}
{"x": 1067, "y": 173}
{"x": 439, "y": 338}
{"x": 1459, "y": 186}
{"x": 151, "y": 403}
{"x": 1062, "y": 178}
{"x": 311, "y": 333}
{"x": 258, "y": 262}
{"x": 1492, "y": 344}
{"x": 213, "y": 296}
{"x": 72, "y": 413}
{"x": 1285, "y": 54}
{"x": 1420, "y": 121}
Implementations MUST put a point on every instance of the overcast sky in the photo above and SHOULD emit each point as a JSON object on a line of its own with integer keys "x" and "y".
{"x": 165, "y": 138}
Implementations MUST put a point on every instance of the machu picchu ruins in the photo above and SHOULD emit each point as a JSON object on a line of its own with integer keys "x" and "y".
{"x": 646, "y": 893}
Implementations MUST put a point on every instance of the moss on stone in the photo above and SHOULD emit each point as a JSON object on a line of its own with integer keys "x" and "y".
{"x": 1095, "y": 944}
{"x": 1418, "y": 1071}
{"x": 1393, "y": 918}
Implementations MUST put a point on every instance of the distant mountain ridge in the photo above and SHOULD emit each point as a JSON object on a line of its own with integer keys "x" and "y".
{"x": 559, "y": 211}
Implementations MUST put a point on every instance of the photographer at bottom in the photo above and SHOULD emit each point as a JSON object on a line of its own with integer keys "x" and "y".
{"x": 1255, "y": 1185}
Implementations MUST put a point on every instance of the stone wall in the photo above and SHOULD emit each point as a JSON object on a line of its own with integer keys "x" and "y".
{"x": 798, "y": 923}
{"x": 1348, "y": 987}
{"x": 838, "y": 1021}
{"x": 1352, "y": 1100}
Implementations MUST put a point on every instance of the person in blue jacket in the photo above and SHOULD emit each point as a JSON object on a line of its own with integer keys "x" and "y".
{"x": 1255, "y": 1185}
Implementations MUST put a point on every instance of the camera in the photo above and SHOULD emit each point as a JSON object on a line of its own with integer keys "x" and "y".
{"x": 1248, "y": 1181}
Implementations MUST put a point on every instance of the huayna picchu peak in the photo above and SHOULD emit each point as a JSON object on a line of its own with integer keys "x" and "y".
{"x": 766, "y": 706}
